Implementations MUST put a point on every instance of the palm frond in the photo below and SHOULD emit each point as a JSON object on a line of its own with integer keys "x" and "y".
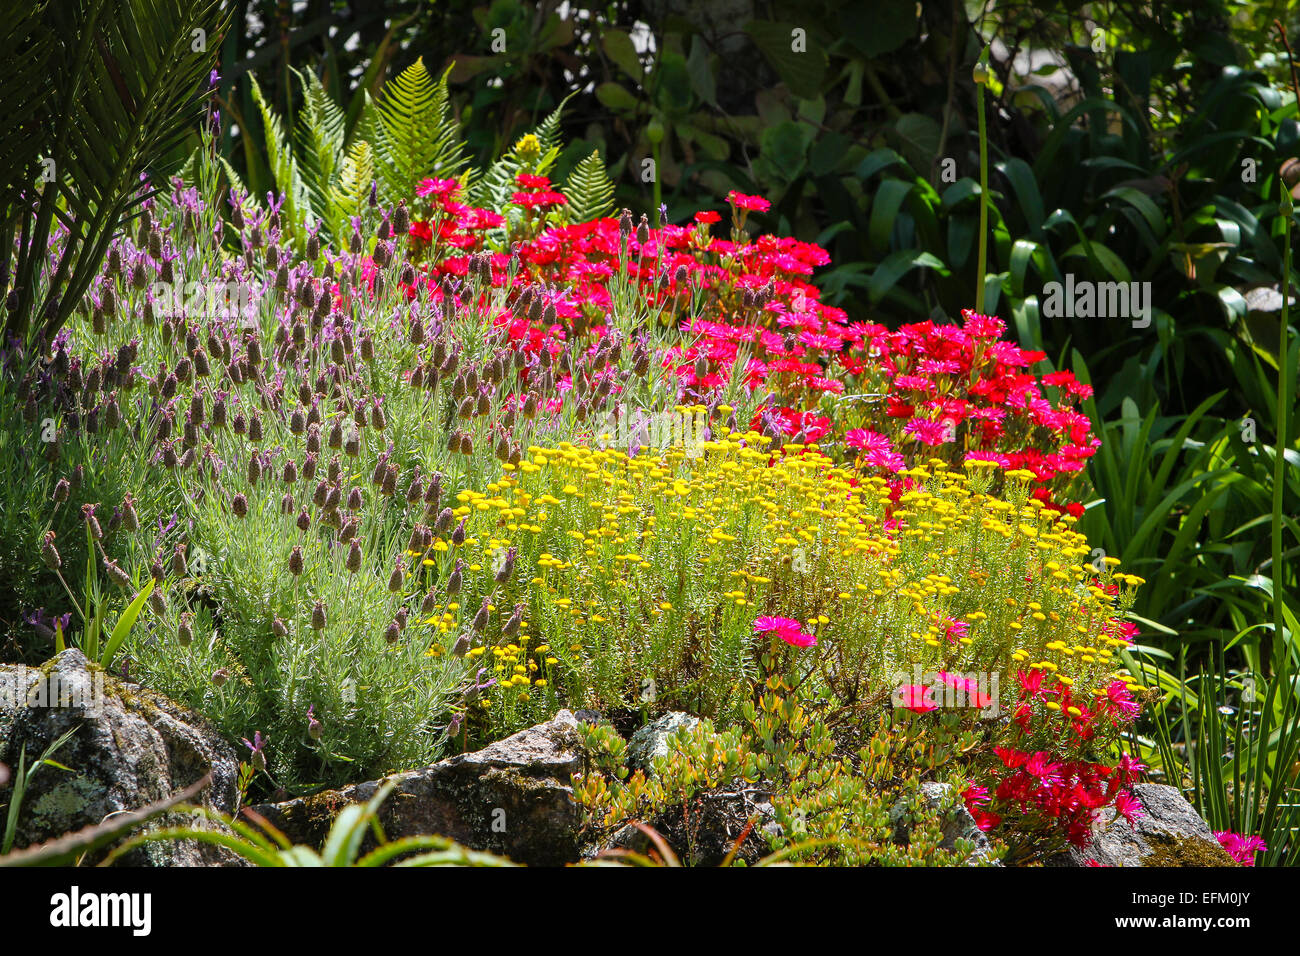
{"x": 129, "y": 90}
{"x": 26, "y": 50}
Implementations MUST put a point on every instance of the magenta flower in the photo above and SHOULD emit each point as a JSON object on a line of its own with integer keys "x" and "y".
{"x": 786, "y": 628}
{"x": 916, "y": 698}
{"x": 1240, "y": 848}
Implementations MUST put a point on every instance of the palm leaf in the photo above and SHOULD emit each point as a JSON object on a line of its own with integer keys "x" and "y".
{"x": 128, "y": 87}
{"x": 26, "y": 49}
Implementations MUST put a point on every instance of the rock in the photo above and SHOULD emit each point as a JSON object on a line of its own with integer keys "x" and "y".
{"x": 512, "y": 798}
{"x": 652, "y": 740}
{"x": 704, "y": 833}
{"x": 958, "y": 824}
{"x": 130, "y": 747}
{"x": 1169, "y": 833}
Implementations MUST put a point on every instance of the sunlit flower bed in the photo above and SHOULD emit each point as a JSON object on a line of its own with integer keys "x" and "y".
{"x": 423, "y": 491}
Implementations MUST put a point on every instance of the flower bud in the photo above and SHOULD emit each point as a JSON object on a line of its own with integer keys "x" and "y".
{"x": 49, "y": 554}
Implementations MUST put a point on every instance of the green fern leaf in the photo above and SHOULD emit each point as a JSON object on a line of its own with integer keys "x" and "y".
{"x": 284, "y": 167}
{"x": 413, "y": 132}
{"x": 320, "y": 139}
{"x": 493, "y": 189}
{"x": 588, "y": 190}
{"x": 348, "y": 195}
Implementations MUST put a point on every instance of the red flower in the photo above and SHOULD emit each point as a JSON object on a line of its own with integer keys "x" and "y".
{"x": 751, "y": 203}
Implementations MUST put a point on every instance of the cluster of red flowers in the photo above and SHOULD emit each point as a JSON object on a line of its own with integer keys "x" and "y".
{"x": 1065, "y": 796}
{"x": 1048, "y": 794}
{"x": 920, "y": 391}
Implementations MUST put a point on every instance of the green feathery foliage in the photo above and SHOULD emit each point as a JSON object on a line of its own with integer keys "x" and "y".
{"x": 588, "y": 190}
{"x": 413, "y": 132}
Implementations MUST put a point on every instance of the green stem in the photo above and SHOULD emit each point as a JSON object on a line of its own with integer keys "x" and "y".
{"x": 984, "y": 200}
{"x": 1281, "y": 442}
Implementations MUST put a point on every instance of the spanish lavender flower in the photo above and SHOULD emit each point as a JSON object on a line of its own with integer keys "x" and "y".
{"x": 481, "y": 618}
{"x": 117, "y": 574}
{"x": 130, "y": 519}
{"x": 88, "y": 513}
{"x": 295, "y": 562}
{"x": 315, "y": 730}
{"x": 318, "y": 620}
{"x": 49, "y": 554}
{"x": 257, "y": 746}
{"x": 507, "y": 567}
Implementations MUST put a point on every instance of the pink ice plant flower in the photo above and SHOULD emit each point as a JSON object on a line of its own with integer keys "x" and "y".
{"x": 786, "y": 628}
{"x": 1240, "y": 848}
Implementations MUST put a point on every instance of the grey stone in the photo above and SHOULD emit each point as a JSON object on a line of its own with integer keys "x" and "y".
{"x": 706, "y": 831}
{"x": 652, "y": 740}
{"x": 1169, "y": 833}
{"x": 512, "y": 798}
{"x": 958, "y": 824}
{"x": 130, "y": 747}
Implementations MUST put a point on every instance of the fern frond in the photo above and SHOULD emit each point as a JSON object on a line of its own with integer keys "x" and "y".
{"x": 588, "y": 190}
{"x": 284, "y": 167}
{"x": 413, "y": 132}
{"x": 320, "y": 138}
{"x": 350, "y": 192}
{"x": 235, "y": 182}
{"x": 493, "y": 189}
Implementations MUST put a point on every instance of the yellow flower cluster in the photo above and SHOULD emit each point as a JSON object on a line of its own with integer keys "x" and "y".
{"x": 653, "y": 568}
